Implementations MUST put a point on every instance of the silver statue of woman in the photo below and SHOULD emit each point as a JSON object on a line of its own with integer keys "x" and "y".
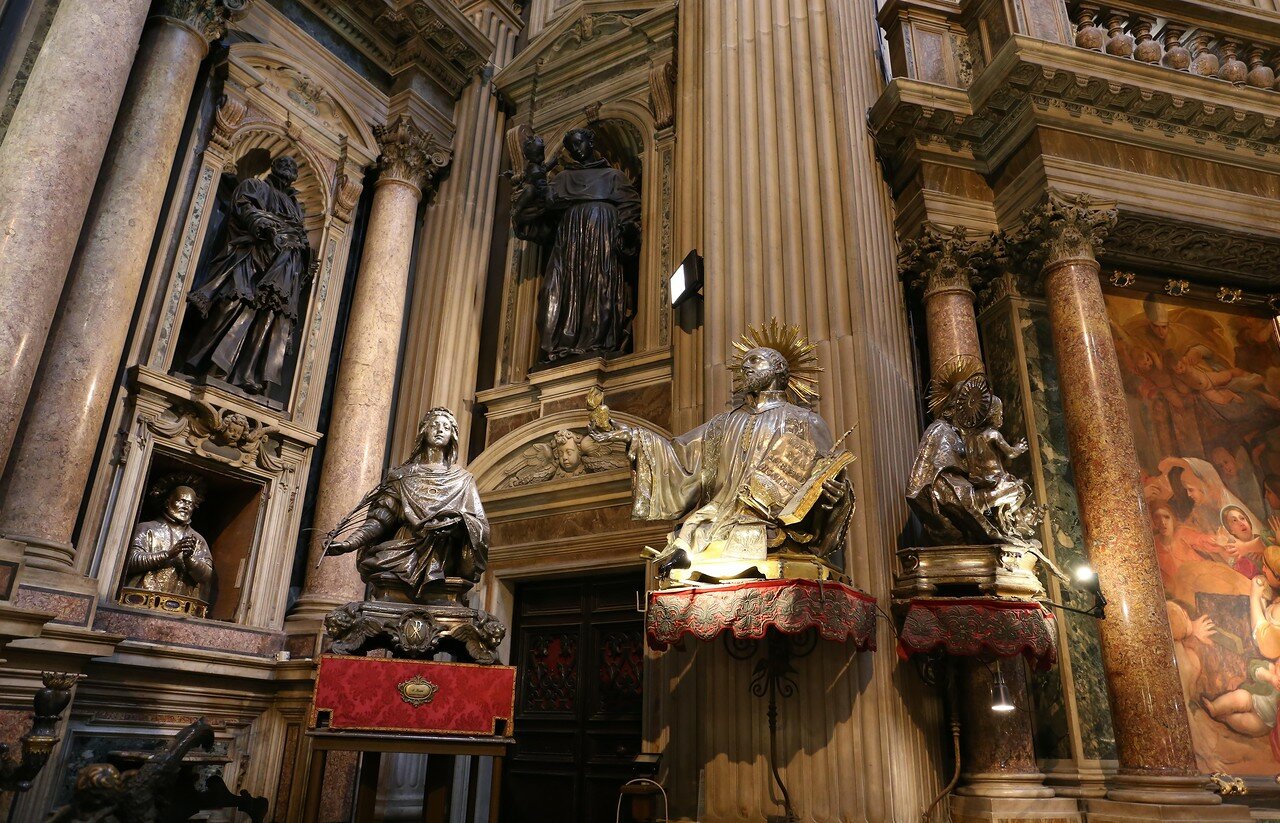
{"x": 423, "y": 525}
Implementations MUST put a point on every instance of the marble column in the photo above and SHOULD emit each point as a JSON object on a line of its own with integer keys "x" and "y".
{"x": 1153, "y": 736}
{"x": 53, "y": 454}
{"x": 941, "y": 266}
{"x": 998, "y": 753}
{"x": 48, "y": 164}
{"x": 355, "y": 444}
{"x": 443, "y": 348}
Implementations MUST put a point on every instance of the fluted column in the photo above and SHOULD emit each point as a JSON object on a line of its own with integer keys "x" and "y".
{"x": 941, "y": 267}
{"x": 443, "y": 348}
{"x": 794, "y": 220}
{"x": 355, "y": 445}
{"x": 53, "y": 455}
{"x": 1153, "y": 736}
{"x": 48, "y": 164}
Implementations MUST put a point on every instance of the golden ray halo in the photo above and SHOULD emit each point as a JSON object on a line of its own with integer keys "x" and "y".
{"x": 955, "y": 382}
{"x": 800, "y": 354}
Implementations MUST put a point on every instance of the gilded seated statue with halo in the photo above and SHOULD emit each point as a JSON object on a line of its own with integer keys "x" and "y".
{"x": 760, "y": 491}
{"x": 169, "y": 566}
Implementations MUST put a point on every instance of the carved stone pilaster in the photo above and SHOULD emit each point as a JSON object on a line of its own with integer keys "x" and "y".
{"x": 940, "y": 261}
{"x": 409, "y": 154}
{"x": 208, "y": 17}
{"x": 1064, "y": 228}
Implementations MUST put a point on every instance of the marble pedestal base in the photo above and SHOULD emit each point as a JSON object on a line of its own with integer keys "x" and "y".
{"x": 1014, "y": 810}
{"x": 1119, "y": 811}
{"x": 1025, "y": 786}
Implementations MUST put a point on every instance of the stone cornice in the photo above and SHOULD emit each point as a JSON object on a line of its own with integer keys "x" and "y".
{"x": 431, "y": 36}
{"x": 1214, "y": 255}
{"x": 209, "y": 18}
{"x": 1034, "y": 83}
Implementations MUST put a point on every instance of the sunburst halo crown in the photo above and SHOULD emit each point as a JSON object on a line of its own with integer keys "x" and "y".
{"x": 800, "y": 354}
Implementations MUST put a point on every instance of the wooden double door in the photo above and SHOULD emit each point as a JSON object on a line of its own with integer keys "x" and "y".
{"x": 579, "y": 645}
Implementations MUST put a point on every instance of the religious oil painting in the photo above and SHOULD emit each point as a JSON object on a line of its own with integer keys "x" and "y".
{"x": 1202, "y": 382}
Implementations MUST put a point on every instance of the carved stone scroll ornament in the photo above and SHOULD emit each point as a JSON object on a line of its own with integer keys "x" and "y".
{"x": 564, "y": 454}
{"x": 942, "y": 260}
{"x": 662, "y": 93}
{"x": 225, "y": 436}
{"x": 409, "y": 154}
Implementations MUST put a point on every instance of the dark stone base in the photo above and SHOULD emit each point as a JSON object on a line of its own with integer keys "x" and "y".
{"x": 416, "y": 630}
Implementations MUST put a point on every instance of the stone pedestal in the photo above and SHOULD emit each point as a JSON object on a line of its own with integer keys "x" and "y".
{"x": 1015, "y": 810}
{"x": 998, "y": 756}
{"x": 1113, "y": 811}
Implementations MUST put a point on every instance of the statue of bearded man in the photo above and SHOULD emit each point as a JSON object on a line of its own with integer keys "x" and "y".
{"x": 705, "y": 479}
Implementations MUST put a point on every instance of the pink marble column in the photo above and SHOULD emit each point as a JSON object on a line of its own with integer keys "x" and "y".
{"x": 998, "y": 750}
{"x": 941, "y": 265}
{"x": 48, "y": 164}
{"x": 1153, "y": 738}
{"x": 53, "y": 454}
{"x": 356, "y": 442}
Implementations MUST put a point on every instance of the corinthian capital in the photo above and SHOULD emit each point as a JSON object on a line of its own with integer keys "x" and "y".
{"x": 208, "y": 17}
{"x": 409, "y": 154}
{"x": 1064, "y": 228}
{"x": 942, "y": 260}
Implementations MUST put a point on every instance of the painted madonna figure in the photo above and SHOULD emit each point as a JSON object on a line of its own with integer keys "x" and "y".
{"x": 760, "y": 490}
{"x": 422, "y": 542}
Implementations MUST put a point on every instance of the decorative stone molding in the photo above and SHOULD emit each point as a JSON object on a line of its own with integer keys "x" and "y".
{"x": 346, "y": 195}
{"x": 1047, "y": 83}
{"x": 209, "y": 17}
{"x": 1251, "y": 261}
{"x": 1063, "y": 228}
{"x": 590, "y": 27}
{"x": 662, "y": 92}
{"x": 409, "y": 154}
{"x": 941, "y": 260}
{"x": 226, "y": 120}
{"x": 226, "y": 436}
{"x": 430, "y": 35}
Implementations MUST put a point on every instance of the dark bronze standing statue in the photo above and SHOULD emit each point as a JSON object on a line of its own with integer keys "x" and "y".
{"x": 590, "y": 214}
{"x": 250, "y": 302}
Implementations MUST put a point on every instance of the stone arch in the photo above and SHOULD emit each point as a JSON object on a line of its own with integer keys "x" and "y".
{"x": 253, "y": 148}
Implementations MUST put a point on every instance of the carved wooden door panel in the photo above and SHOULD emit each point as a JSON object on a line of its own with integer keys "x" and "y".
{"x": 580, "y": 648}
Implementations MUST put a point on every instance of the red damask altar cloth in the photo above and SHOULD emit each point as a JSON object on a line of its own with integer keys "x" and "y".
{"x": 425, "y": 696}
{"x": 749, "y": 610}
{"x": 980, "y": 627}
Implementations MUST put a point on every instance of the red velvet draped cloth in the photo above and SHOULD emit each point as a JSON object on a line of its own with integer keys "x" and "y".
{"x": 749, "y": 610}
{"x": 980, "y": 627}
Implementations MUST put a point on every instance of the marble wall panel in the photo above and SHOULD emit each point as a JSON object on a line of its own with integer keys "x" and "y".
{"x": 188, "y": 632}
{"x": 72, "y": 609}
